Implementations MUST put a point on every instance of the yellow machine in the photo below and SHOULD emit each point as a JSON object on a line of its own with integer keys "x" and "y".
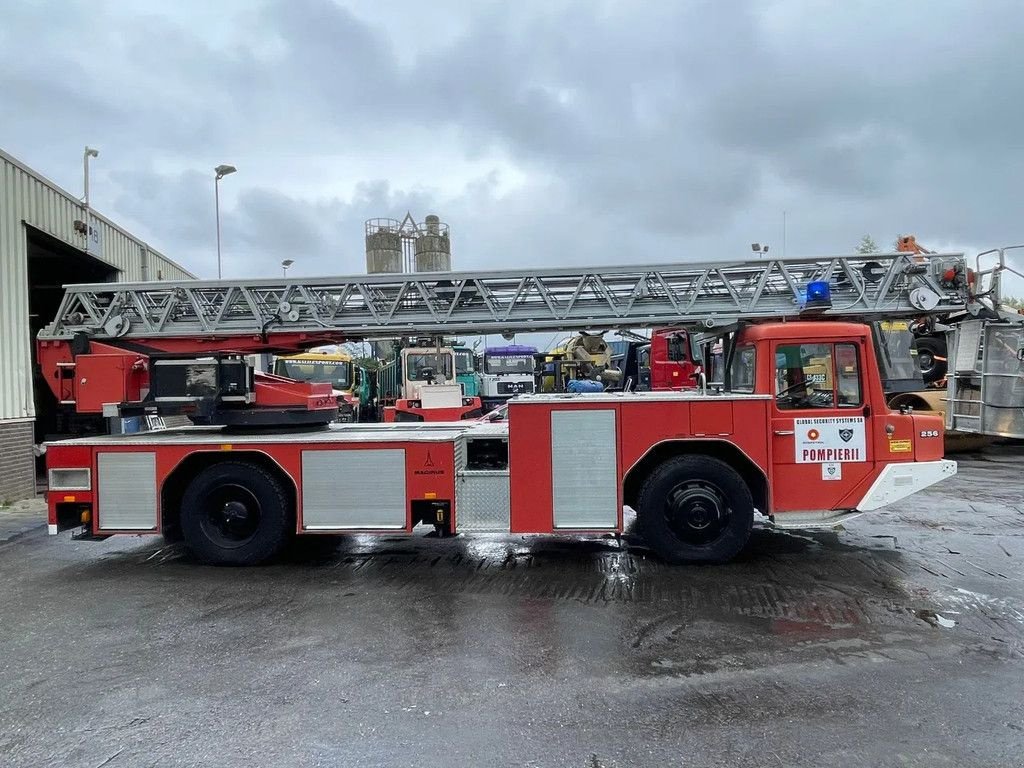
{"x": 584, "y": 356}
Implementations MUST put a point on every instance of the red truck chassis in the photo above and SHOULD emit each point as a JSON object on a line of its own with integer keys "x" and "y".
{"x": 694, "y": 466}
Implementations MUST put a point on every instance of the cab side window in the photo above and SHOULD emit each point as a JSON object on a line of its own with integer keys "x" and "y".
{"x": 677, "y": 351}
{"x": 811, "y": 376}
{"x": 743, "y": 369}
{"x": 848, "y": 389}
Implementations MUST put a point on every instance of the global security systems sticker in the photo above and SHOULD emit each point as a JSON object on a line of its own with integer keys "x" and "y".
{"x": 830, "y": 439}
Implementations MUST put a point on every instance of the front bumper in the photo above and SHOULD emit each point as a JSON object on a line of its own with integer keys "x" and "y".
{"x": 897, "y": 481}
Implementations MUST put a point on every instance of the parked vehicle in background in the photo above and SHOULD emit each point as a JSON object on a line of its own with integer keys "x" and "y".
{"x": 672, "y": 361}
{"x": 329, "y": 365}
{"x": 506, "y": 372}
{"x": 967, "y": 365}
{"x": 581, "y": 363}
{"x": 466, "y": 371}
{"x": 429, "y": 389}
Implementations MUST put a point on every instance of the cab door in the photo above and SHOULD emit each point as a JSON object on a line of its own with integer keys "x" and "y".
{"x": 821, "y": 428}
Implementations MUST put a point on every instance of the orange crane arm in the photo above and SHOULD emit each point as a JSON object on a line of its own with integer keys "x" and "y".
{"x": 909, "y": 244}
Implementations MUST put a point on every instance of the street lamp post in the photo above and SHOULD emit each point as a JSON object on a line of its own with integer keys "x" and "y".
{"x": 221, "y": 171}
{"x": 89, "y": 152}
{"x": 285, "y": 264}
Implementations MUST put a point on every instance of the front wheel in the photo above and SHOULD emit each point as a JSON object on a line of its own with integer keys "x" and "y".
{"x": 236, "y": 513}
{"x": 695, "y": 509}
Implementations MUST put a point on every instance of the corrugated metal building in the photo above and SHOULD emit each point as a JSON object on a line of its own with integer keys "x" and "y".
{"x": 48, "y": 239}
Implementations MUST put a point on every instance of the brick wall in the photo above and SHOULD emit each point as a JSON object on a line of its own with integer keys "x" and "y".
{"x": 17, "y": 463}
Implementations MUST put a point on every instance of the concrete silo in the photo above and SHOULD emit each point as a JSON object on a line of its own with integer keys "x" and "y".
{"x": 432, "y": 248}
{"x": 383, "y": 246}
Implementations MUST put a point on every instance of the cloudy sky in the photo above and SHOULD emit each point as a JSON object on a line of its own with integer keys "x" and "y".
{"x": 545, "y": 133}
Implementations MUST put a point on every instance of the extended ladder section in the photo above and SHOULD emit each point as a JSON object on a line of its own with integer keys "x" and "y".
{"x": 710, "y": 294}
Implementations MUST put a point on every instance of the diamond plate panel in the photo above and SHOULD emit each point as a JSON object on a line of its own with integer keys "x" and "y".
{"x": 482, "y": 501}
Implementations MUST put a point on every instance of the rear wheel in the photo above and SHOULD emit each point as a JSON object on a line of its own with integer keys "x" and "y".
{"x": 235, "y": 513}
{"x": 695, "y": 509}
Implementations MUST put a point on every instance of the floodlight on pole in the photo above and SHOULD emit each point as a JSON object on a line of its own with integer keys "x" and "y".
{"x": 221, "y": 171}
{"x": 285, "y": 264}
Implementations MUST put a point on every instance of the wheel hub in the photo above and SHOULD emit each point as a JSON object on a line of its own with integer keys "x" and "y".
{"x": 235, "y": 512}
{"x": 697, "y": 512}
{"x": 232, "y": 516}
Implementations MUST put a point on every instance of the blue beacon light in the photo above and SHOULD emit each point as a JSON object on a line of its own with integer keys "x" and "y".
{"x": 819, "y": 295}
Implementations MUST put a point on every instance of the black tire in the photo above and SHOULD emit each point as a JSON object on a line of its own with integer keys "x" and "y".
{"x": 236, "y": 513}
{"x": 172, "y": 534}
{"x": 931, "y": 356}
{"x": 695, "y": 509}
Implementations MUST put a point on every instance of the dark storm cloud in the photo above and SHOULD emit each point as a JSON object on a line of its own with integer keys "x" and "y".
{"x": 636, "y": 131}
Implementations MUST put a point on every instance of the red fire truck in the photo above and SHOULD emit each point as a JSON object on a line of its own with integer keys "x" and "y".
{"x": 800, "y": 432}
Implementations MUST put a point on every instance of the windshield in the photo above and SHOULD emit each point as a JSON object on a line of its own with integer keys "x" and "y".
{"x": 505, "y": 364}
{"x": 338, "y": 373}
{"x": 463, "y": 361}
{"x": 896, "y": 351}
{"x": 418, "y": 364}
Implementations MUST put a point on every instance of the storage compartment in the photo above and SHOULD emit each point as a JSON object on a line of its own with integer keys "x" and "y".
{"x": 482, "y": 501}
{"x": 355, "y": 488}
{"x": 127, "y": 491}
{"x": 584, "y": 472}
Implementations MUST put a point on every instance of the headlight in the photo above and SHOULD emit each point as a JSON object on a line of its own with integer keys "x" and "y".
{"x": 70, "y": 479}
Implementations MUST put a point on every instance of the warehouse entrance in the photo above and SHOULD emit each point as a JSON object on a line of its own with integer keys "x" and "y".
{"x": 51, "y": 265}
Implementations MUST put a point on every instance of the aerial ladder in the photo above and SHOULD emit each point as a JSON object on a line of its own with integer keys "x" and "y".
{"x": 154, "y": 348}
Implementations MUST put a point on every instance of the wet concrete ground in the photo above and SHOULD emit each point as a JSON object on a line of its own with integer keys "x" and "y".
{"x": 896, "y": 641}
{"x": 21, "y": 517}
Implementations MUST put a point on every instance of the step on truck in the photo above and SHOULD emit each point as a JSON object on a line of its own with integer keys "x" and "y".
{"x": 799, "y": 433}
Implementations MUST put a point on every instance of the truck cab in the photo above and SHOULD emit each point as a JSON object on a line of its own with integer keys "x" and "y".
{"x": 507, "y": 371}
{"x": 671, "y": 361}
{"x": 328, "y": 365}
{"x": 834, "y": 442}
{"x": 430, "y": 388}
